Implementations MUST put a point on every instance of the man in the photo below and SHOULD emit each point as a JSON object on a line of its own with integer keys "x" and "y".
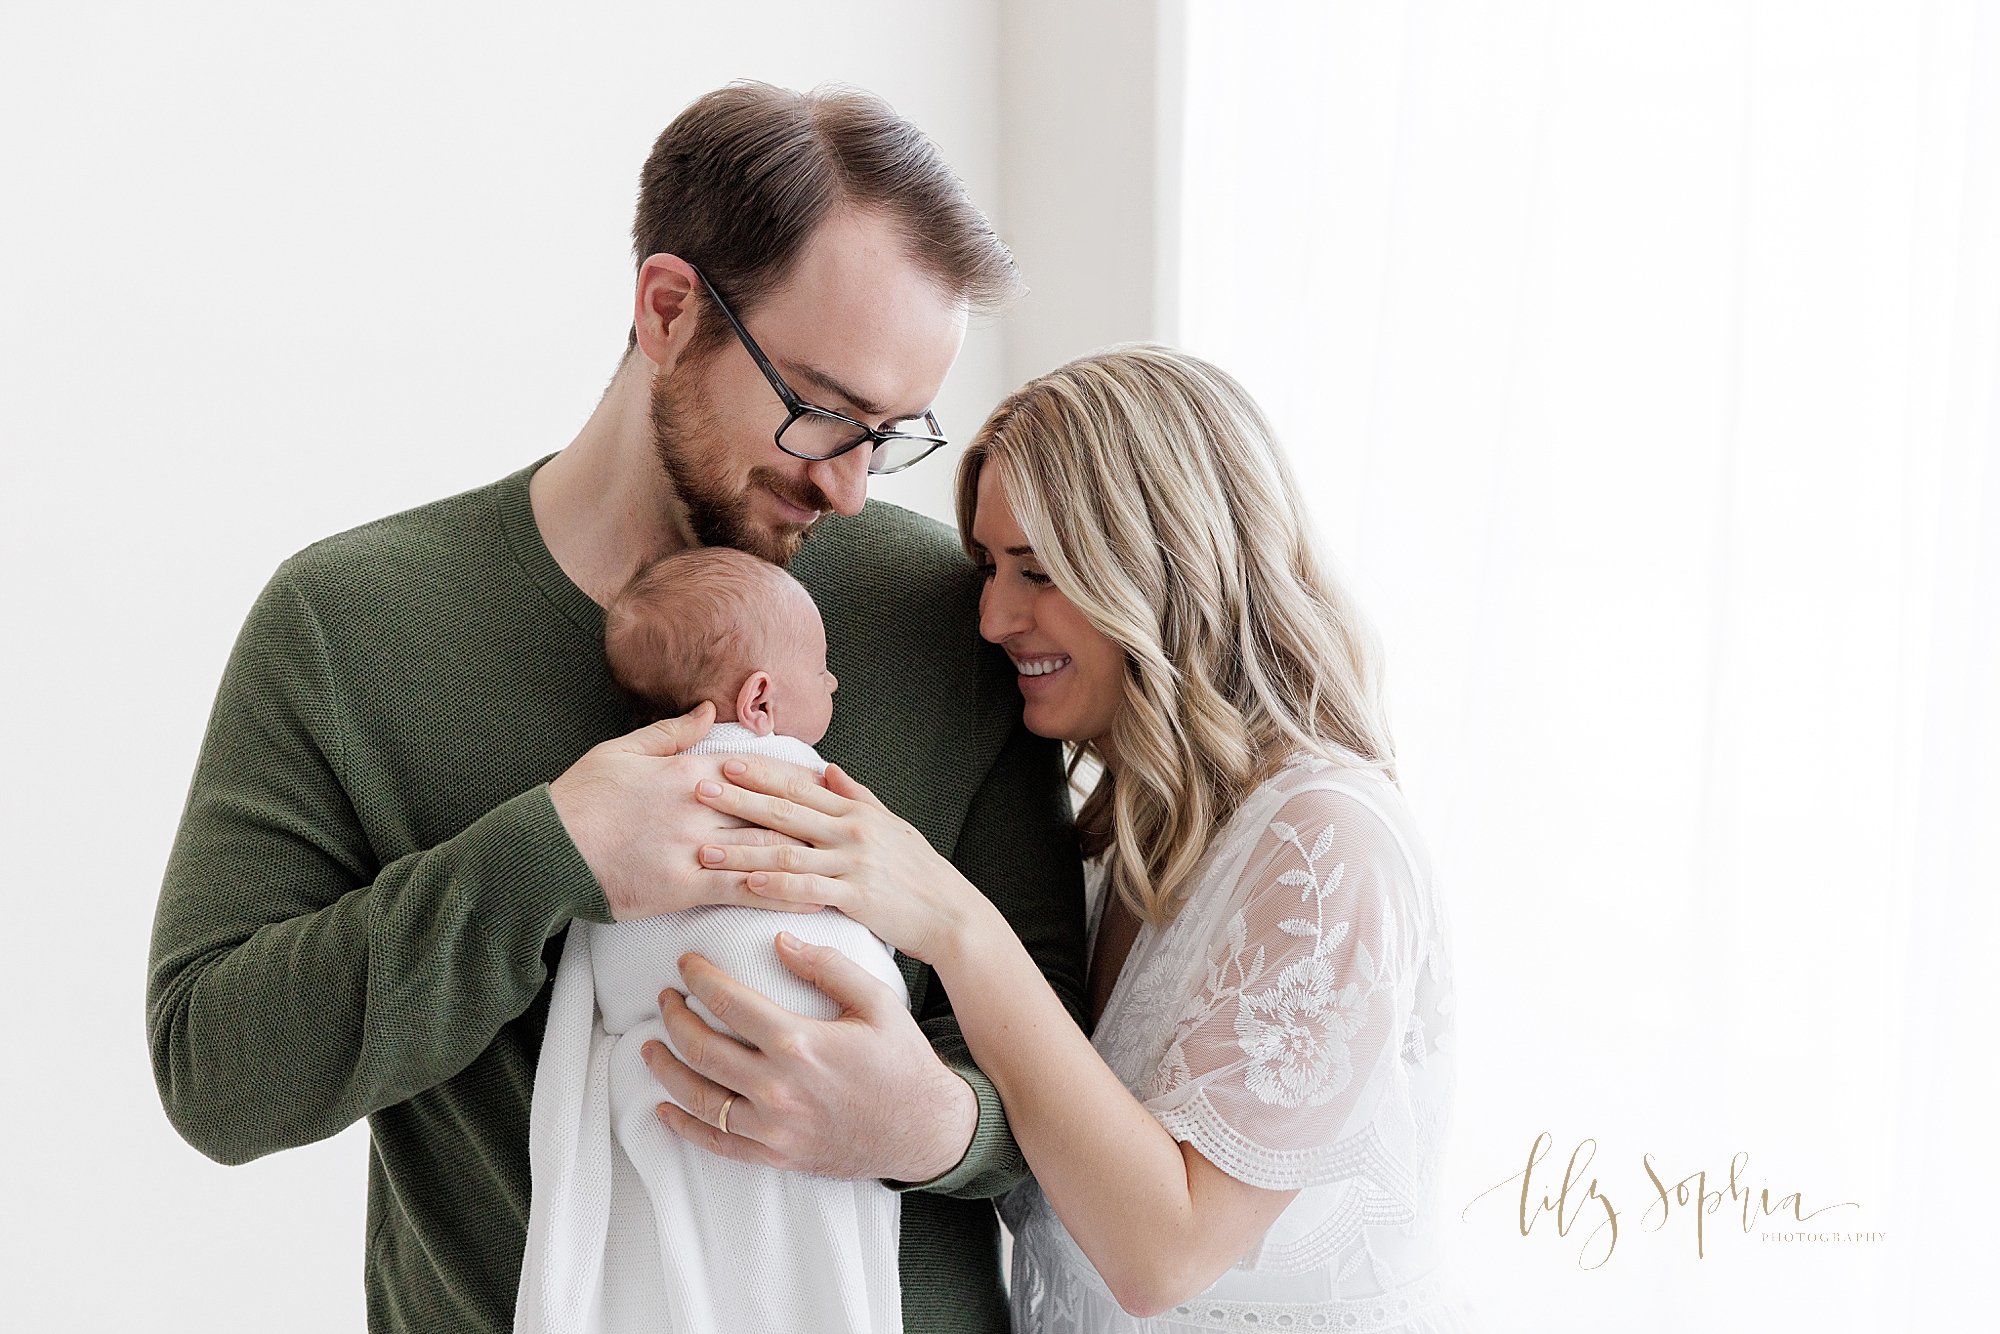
{"x": 390, "y": 827}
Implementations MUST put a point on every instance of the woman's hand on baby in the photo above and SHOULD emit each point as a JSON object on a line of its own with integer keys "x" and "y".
{"x": 625, "y": 805}
{"x": 861, "y": 858}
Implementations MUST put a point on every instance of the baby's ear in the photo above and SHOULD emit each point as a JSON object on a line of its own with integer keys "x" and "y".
{"x": 753, "y": 704}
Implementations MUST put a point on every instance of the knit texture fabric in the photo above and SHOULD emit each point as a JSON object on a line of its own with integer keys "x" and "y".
{"x": 370, "y": 888}
{"x": 633, "y": 1230}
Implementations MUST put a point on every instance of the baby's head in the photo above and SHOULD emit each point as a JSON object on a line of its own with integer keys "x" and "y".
{"x": 719, "y": 624}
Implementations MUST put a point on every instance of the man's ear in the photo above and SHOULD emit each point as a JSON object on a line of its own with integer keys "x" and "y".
{"x": 753, "y": 704}
{"x": 660, "y": 303}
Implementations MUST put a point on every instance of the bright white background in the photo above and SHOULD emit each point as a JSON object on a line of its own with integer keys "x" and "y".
{"x": 1641, "y": 360}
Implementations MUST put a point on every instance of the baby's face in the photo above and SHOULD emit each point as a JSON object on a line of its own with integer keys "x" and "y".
{"x": 801, "y": 686}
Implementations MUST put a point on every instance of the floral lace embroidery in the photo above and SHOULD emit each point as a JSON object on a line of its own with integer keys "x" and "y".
{"x": 1413, "y": 1041}
{"x": 1210, "y": 1023}
{"x": 1216, "y": 990}
{"x": 1295, "y": 1030}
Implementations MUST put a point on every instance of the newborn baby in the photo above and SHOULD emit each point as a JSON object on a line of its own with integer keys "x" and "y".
{"x": 630, "y": 1227}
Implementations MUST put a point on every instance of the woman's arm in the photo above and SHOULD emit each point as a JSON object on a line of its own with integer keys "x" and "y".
{"x": 1157, "y": 1219}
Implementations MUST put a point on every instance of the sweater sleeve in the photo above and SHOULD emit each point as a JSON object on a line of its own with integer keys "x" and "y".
{"x": 293, "y": 985}
{"x": 1019, "y": 846}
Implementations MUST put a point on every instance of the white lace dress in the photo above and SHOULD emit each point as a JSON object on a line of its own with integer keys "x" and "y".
{"x": 1292, "y": 1023}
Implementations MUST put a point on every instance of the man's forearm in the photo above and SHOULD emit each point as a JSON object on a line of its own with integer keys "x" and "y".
{"x": 946, "y": 1116}
{"x": 294, "y": 985}
{"x": 270, "y": 1031}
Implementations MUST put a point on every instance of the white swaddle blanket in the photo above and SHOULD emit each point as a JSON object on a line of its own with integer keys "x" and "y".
{"x": 631, "y": 1228}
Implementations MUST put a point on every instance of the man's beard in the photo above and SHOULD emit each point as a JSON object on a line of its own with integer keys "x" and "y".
{"x": 685, "y": 431}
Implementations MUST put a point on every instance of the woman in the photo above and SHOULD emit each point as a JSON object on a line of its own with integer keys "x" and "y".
{"x": 1251, "y": 1138}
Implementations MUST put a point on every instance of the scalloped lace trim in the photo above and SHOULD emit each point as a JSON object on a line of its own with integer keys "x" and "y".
{"x": 1361, "y": 1154}
{"x": 1421, "y": 1307}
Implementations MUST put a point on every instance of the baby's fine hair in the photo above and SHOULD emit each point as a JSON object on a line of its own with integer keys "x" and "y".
{"x": 689, "y": 624}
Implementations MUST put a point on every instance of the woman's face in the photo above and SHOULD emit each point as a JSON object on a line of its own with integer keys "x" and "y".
{"x": 1071, "y": 675}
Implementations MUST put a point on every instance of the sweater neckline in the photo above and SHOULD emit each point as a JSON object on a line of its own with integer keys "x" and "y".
{"x": 524, "y": 537}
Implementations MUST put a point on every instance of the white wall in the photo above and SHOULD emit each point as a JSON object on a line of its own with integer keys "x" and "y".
{"x": 1082, "y": 175}
{"x": 268, "y": 271}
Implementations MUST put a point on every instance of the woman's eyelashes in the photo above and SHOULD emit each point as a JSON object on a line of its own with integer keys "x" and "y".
{"x": 1035, "y": 577}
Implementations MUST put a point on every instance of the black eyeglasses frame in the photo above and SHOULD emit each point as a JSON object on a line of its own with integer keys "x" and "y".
{"x": 798, "y": 408}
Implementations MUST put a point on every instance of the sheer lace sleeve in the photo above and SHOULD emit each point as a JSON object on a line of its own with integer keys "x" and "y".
{"x": 1300, "y": 1013}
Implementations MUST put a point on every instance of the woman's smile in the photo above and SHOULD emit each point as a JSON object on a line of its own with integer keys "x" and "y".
{"x": 1037, "y": 669}
{"x": 1069, "y": 672}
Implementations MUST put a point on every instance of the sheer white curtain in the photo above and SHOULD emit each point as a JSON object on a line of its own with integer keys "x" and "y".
{"x": 1642, "y": 362}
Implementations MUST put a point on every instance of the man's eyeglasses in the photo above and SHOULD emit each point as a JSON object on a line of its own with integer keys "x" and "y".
{"x": 811, "y": 432}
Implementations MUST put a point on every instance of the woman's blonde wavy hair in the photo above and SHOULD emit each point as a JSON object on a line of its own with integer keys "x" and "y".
{"x": 1152, "y": 490}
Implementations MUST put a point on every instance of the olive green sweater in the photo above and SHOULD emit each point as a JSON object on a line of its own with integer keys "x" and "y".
{"x": 368, "y": 894}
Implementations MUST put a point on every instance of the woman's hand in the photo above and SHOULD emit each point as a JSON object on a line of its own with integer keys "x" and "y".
{"x": 862, "y": 857}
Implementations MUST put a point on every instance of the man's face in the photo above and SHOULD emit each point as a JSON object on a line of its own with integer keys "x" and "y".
{"x": 857, "y": 328}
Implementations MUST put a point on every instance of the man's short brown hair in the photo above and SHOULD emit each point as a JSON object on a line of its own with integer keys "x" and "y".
{"x": 738, "y": 182}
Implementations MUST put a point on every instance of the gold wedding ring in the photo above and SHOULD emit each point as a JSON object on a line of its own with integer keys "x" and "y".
{"x": 722, "y": 1121}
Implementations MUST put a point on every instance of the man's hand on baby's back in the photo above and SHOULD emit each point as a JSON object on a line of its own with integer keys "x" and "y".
{"x": 628, "y": 805}
{"x": 860, "y": 1095}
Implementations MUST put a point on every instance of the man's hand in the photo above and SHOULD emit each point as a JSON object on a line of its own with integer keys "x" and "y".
{"x": 857, "y": 1096}
{"x": 629, "y": 807}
